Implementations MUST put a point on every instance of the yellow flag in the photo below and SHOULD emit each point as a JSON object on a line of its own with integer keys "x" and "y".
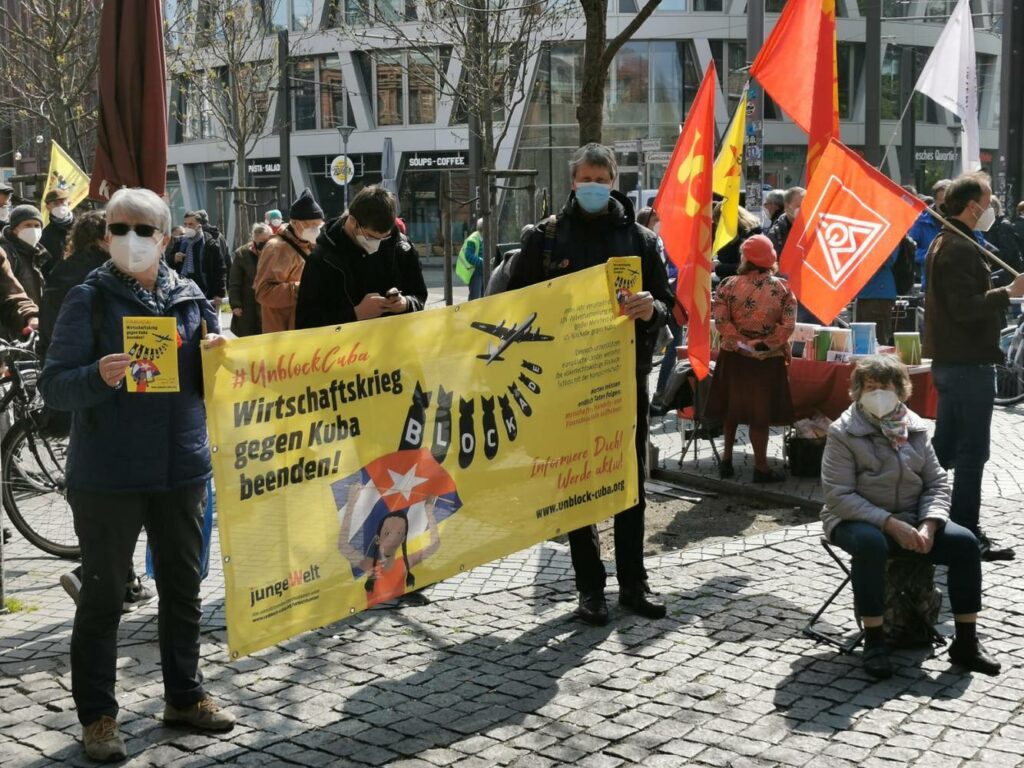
{"x": 728, "y": 178}
{"x": 64, "y": 174}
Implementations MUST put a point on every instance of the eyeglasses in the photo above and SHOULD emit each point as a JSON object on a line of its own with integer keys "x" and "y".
{"x": 142, "y": 230}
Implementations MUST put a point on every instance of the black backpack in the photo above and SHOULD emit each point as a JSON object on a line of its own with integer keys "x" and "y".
{"x": 912, "y": 603}
{"x": 903, "y": 269}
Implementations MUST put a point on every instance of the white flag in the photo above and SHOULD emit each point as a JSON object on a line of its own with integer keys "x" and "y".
{"x": 950, "y": 79}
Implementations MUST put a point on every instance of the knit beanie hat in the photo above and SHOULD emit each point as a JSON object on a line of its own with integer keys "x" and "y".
{"x": 759, "y": 251}
{"x": 23, "y": 213}
{"x": 273, "y": 214}
{"x": 305, "y": 208}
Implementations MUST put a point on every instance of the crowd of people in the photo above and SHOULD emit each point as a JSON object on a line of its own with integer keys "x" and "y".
{"x": 884, "y": 481}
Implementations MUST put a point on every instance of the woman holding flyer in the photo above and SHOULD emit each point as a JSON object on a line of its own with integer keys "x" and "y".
{"x": 138, "y": 456}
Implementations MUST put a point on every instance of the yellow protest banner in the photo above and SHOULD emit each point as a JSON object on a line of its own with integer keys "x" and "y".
{"x": 64, "y": 174}
{"x": 355, "y": 463}
{"x": 152, "y": 345}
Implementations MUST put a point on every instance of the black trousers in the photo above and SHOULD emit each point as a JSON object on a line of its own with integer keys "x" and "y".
{"x": 108, "y": 527}
{"x": 584, "y": 545}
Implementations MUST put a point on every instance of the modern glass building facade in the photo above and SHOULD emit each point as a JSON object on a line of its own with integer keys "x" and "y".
{"x": 391, "y": 93}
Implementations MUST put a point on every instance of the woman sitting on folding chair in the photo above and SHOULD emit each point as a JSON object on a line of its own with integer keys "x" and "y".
{"x": 885, "y": 490}
{"x": 755, "y": 313}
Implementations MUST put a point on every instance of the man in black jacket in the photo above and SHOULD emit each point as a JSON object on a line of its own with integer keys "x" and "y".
{"x": 778, "y": 233}
{"x": 361, "y": 268}
{"x": 595, "y": 225}
{"x": 55, "y": 233}
{"x": 963, "y": 321}
{"x": 201, "y": 255}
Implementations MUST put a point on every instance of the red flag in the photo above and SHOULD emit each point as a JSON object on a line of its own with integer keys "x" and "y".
{"x": 807, "y": 89}
{"x": 849, "y": 223}
{"x": 131, "y": 146}
{"x": 684, "y": 207}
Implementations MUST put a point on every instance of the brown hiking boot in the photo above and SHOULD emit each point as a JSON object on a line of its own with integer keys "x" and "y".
{"x": 102, "y": 741}
{"x": 205, "y": 714}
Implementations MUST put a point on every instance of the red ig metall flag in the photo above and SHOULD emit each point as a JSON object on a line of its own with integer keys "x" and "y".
{"x": 850, "y": 221}
{"x": 684, "y": 208}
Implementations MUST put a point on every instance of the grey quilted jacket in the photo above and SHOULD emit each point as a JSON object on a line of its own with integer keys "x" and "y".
{"x": 866, "y": 480}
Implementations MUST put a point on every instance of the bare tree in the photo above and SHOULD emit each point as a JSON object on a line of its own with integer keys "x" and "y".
{"x": 222, "y": 59}
{"x": 598, "y": 54}
{"x": 477, "y": 53}
{"x": 48, "y": 69}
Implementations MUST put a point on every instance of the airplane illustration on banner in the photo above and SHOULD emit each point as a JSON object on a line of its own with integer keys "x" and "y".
{"x": 508, "y": 336}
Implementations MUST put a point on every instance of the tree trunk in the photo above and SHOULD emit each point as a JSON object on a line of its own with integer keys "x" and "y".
{"x": 243, "y": 221}
{"x": 590, "y": 112}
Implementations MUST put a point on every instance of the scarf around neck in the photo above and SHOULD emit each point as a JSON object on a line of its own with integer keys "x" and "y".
{"x": 160, "y": 298}
{"x": 895, "y": 427}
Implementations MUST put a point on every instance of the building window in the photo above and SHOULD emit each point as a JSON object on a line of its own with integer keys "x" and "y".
{"x": 291, "y": 15}
{"x": 406, "y": 88}
{"x": 319, "y": 97}
{"x": 626, "y": 92}
{"x": 196, "y": 111}
{"x": 207, "y": 177}
{"x": 389, "y": 81}
{"x": 174, "y": 199}
{"x": 891, "y": 104}
{"x": 334, "y": 107}
{"x": 359, "y": 12}
{"x": 850, "y": 65}
{"x": 303, "y": 86}
{"x": 422, "y": 89}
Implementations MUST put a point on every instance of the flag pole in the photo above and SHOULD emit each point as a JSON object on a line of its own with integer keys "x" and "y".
{"x": 899, "y": 124}
{"x": 984, "y": 251}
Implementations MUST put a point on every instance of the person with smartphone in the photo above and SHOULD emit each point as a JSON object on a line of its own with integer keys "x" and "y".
{"x": 362, "y": 267}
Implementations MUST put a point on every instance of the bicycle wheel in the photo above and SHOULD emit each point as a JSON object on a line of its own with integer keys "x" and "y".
{"x": 1010, "y": 375}
{"x": 34, "y": 494}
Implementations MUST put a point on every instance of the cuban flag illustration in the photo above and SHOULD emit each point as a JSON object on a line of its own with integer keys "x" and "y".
{"x": 399, "y": 481}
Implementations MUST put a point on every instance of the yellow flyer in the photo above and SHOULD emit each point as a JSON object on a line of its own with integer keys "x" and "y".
{"x": 152, "y": 345}
{"x": 356, "y": 463}
{"x": 624, "y": 279}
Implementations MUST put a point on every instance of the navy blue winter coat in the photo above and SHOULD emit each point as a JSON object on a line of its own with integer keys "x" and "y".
{"x": 121, "y": 441}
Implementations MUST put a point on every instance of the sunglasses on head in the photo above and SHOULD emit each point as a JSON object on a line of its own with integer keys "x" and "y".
{"x": 142, "y": 230}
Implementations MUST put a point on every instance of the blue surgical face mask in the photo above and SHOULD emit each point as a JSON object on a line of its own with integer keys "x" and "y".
{"x": 593, "y": 196}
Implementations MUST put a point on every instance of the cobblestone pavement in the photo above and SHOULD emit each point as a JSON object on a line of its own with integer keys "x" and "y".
{"x": 495, "y": 672}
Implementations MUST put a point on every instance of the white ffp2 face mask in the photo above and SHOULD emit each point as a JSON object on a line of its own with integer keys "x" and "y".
{"x": 31, "y": 235}
{"x": 879, "y": 402}
{"x": 310, "y": 234}
{"x": 133, "y": 254}
{"x": 986, "y": 220}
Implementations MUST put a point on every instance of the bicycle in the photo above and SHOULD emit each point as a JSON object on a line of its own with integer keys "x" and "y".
{"x": 1010, "y": 374}
{"x": 32, "y": 464}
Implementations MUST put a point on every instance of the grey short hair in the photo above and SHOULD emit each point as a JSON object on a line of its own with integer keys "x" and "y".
{"x": 480, "y": 225}
{"x": 259, "y": 228}
{"x": 199, "y": 215}
{"x": 774, "y": 198}
{"x": 594, "y": 154}
{"x": 144, "y": 206}
{"x": 884, "y": 369}
{"x": 792, "y": 193}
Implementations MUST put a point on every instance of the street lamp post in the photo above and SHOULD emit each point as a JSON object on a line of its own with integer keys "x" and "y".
{"x": 345, "y": 131}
